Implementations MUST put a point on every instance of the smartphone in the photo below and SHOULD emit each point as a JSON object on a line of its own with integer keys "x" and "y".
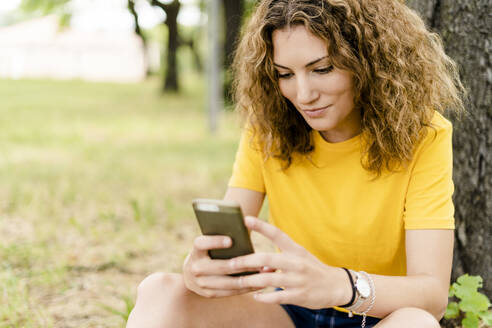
{"x": 219, "y": 217}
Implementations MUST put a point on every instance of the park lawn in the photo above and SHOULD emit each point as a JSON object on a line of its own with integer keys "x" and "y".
{"x": 96, "y": 181}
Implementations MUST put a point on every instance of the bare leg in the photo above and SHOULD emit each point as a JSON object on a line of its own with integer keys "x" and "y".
{"x": 409, "y": 318}
{"x": 164, "y": 301}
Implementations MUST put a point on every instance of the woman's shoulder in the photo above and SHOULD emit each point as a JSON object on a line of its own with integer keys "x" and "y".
{"x": 437, "y": 140}
{"x": 440, "y": 128}
{"x": 439, "y": 122}
{"x": 252, "y": 137}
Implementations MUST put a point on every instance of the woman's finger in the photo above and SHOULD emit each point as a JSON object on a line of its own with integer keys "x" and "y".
{"x": 202, "y": 244}
{"x": 256, "y": 281}
{"x": 212, "y": 293}
{"x": 208, "y": 267}
{"x": 224, "y": 282}
{"x": 277, "y": 297}
{"x": 277, "y": 261}
{"x": 277, "y": 236}
{"x": 270, "y": 279}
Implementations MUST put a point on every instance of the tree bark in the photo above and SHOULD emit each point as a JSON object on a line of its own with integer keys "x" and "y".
{"x": 172, "y": 11}
{"x": 233, "y": 14}
{"x": 465, "y": 27}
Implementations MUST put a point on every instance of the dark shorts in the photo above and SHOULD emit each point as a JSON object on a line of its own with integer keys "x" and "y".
{"x": 325, "y": 318}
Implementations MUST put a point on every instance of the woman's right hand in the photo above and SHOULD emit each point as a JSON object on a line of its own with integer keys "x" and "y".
{"x": 210, "y": 278}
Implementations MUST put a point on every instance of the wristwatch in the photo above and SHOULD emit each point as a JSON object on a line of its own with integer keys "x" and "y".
{"x": 362, "y": 292}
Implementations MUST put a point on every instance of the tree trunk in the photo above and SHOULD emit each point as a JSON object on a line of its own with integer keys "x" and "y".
{"x": 171, "y": 80}
{"x": 233, "y": 13}
{"x": 172, "y": 11}
{"x": 465, "y": 27}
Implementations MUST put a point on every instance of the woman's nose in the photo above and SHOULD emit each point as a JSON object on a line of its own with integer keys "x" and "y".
{"x": 306, "y": 93}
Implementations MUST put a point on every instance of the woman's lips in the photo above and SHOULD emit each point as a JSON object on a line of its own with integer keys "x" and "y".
{"x": 317, "y": 112}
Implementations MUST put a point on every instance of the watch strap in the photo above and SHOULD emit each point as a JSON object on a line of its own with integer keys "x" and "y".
{"x": 352, "y": 285}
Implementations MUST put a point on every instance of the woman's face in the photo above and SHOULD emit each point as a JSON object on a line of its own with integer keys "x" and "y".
{"x": 322, "y": 94}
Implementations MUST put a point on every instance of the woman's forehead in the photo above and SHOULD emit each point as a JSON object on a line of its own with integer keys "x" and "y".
{"x": 296, "y": 44}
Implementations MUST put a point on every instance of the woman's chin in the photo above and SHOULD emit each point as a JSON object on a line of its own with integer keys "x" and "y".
{"x": 319, "y": 125}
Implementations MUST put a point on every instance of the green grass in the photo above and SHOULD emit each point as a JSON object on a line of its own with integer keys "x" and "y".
{"x": 96, "y": 184}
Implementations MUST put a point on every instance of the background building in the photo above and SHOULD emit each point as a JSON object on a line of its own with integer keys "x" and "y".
{"x": 41, "y": 49}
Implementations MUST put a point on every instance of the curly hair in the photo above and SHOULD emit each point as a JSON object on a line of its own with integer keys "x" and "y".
{"x": 400, "y": 71}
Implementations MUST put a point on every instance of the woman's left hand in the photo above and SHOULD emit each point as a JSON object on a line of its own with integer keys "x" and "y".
{"x": 304, "y": 279}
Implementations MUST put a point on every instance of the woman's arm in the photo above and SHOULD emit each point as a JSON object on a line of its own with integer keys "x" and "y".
{"x": 249, "y": 200}
{"x": 429, "y": 261}
{"x": 308, "y": 282}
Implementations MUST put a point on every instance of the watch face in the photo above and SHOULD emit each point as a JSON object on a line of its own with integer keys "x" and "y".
{"x": 363, "y": 288}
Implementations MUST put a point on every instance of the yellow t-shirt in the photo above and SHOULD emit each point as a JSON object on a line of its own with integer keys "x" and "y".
{"x": 336, "y": 209}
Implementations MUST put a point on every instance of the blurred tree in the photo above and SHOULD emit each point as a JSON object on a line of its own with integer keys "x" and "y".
{"x": 190, "y": 40}
{"x": 174, "y": 41}
{"x": 131, "y": 8}
{"x": 233, "y": 14}
{"x": 172, "y": 10}
{"x": 465, "y": 29}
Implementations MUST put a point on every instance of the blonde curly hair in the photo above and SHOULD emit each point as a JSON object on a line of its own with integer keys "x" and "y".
{"x": 401, "y": 76}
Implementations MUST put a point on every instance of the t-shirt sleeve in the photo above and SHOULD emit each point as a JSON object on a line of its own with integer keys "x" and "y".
{"x": 247, "y": 169}
{"x": 429, "y": 203}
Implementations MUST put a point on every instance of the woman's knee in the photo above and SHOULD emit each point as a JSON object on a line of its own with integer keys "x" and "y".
{"x": 160, "y": 284}
{"x": 160, "y": 296}
{"x": 166, "y": 289}
{"x": 409, "y": 317}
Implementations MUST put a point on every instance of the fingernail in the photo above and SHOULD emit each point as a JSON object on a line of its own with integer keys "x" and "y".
{"x": 249, "y": 220}
{"x": 227, "y": 242}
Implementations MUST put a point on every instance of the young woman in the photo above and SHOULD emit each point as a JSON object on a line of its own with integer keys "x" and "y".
{"x": 343, "y": 134}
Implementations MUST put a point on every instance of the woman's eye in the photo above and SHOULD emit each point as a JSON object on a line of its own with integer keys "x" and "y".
{"x": 324, "y": 70}
{"x": 284, "y": 75}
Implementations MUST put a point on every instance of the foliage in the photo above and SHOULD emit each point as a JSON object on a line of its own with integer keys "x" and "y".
{"x": 473, "y": 304}
{"x": 249, "y": 7}
{"x": 43, "y": 7}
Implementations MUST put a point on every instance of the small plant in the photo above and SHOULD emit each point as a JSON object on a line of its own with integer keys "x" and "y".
{"x": 473, "y": 304}
{"x": 125, "y": 313}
